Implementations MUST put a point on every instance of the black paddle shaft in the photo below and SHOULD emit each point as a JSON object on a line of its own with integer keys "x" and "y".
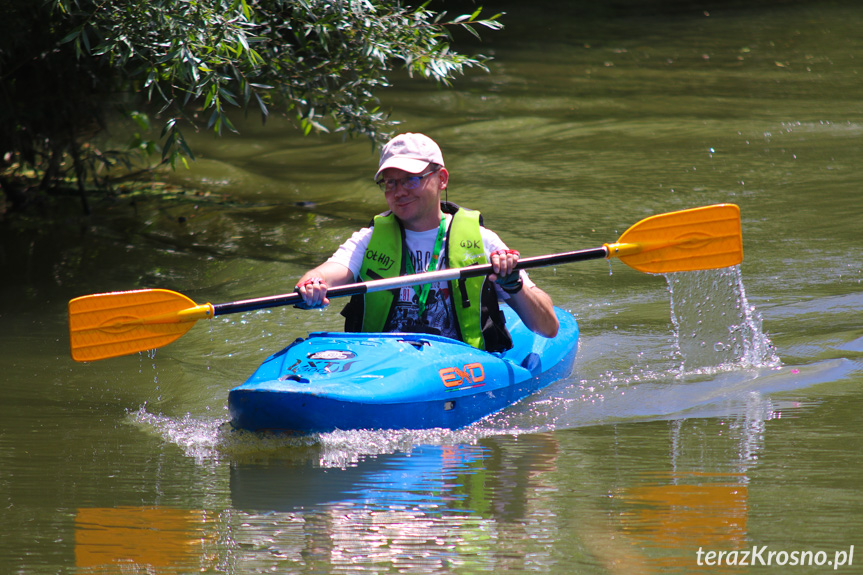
{"x": 410, "y": 280}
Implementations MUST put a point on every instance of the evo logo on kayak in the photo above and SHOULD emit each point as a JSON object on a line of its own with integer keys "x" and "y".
{"x": 470, "y": 373}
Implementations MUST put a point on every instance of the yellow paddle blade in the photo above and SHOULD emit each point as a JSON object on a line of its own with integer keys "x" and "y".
{"x": 120, "y": 323}
{"x": 698, "y": 239}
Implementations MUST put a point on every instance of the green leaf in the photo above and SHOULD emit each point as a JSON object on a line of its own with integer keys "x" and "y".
{"x": 470, "y": 29}
{"x": 263, "y": 107}
{"x": 169, "y": 126}
{"x": 231, "y": 98}
{"x": 73, "y": 35}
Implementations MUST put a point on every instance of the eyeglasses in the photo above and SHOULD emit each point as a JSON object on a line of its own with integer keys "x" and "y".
{"x": 409, "y": 183}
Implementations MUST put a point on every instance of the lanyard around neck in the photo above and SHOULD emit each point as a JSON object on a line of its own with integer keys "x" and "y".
{"x": 423, "y": 290}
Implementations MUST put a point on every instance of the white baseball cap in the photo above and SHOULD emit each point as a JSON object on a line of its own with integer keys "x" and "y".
{"x": 409, "y": 152}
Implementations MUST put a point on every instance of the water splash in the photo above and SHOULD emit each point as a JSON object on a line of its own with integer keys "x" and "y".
{"x": 715, "y": 327}
{"x": 198, "y": 438}
{"x": 212, "y": 441}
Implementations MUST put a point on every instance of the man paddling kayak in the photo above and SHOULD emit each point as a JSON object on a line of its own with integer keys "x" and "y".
{"x": 421, "y": 233}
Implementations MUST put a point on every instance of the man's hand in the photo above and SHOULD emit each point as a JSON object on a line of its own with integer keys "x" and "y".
{"x": 314, "y": 292}
{"x": 503, "y": 263}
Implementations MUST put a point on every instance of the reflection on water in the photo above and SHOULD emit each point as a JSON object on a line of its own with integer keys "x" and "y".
{"x": 141, "y": 540}
{"x": 503, "y": 503}
{"x": 702, "y": 501}
{"x": 382, "y": 510}
{"x": 433, "y": 509}
{"x": 422, "y": 478}
{"x": 686, "y": 511}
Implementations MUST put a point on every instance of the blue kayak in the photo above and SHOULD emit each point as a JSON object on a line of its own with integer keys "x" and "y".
{"x": 332, "y": 381}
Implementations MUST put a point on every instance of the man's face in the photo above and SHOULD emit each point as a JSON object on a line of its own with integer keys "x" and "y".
{"x": 417, "y": 208}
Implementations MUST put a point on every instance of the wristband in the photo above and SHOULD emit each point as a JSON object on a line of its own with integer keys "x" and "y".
{"x": 512, "y": 283}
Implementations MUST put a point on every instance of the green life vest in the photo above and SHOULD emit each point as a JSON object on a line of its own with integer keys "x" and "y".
{"x": 480, "y": 322}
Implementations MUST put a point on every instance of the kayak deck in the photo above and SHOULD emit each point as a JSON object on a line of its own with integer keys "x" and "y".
{"x": 397, "y": 380}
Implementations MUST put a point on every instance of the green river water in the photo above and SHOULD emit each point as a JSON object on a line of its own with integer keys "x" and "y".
{"x": 708, "y": 412}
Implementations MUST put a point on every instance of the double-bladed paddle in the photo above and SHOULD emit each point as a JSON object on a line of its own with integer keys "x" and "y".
{"x": 120, "y": 323}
